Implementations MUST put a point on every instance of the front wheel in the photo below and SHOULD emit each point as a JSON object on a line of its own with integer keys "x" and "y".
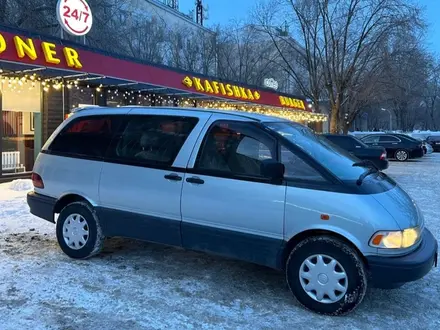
{"x": 326, "y": 275}
{"x": 402, "y": 155}
{"x": 78, "y": 231}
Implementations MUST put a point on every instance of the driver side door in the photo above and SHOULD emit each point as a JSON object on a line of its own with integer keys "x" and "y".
{"x": 228, "y": 206}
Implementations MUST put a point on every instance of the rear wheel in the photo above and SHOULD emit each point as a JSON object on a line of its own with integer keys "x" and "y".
{"x": 401, "y": 155}
{"x": 78, "y": 231}
{"x": 326, "y": 275}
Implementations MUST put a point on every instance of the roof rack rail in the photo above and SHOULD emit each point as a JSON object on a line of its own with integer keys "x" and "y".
{"x": 78, "y": 109}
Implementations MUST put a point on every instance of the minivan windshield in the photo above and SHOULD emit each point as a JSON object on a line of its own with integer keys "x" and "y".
{"x": 335, "y": 159}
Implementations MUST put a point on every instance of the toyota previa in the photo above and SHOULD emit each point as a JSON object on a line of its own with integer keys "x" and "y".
{"x": 246, "y": 186}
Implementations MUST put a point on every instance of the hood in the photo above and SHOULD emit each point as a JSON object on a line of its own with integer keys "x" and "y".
{"x": 401, "y": 207}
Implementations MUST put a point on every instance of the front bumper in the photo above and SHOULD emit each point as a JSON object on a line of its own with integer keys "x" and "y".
{"x": 41, "y": 206}
{"x": 388, "y": 272}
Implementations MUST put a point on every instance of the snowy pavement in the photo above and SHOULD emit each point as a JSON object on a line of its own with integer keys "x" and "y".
{"x": 135, "y": 285}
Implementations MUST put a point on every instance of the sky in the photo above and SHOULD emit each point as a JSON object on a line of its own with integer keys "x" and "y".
{"x": 222, "y": 11}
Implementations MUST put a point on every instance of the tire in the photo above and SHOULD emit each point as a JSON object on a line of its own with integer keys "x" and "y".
{"x": 401, "y": 155}
{"x": 79, "y": 248}
{"x": 347, "y": 260}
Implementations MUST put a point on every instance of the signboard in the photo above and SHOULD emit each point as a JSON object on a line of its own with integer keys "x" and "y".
{"x": 291, "y": 102}
{"x": 220, "y": 89}
{"x": 75, "y": 16}
{"x": 34, "y": 51}
{"x": 270, "y": 83}
{"x": 37, "y": 52}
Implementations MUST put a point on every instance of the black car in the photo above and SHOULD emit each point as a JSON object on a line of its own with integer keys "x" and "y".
{"x": 360, "y": 150}
{"x": 434, "y": 141}
{"x": 398, "y": 146}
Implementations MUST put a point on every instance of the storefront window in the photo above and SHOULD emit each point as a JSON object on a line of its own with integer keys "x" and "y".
{"x": 21, "y": 126}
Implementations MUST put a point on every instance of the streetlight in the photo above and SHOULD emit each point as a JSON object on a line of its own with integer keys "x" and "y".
{"x": 391, "y": 118}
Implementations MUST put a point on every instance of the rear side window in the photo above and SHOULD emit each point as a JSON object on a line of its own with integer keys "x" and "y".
{"x": 435, "y": 138}
{"x": 371, "y": 139}
{"x": 86, "y": 136}
{"x": 388, "y": 138}
{"x": 151, "y": 139}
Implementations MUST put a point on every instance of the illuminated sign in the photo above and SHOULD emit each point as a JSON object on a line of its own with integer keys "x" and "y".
{"x": 290, "y": 102}
{"x": 221, "y": 89}
{"x": 25, "y": 48}
{"x": 270, "y": 83}
{"x": 75, "y": 16}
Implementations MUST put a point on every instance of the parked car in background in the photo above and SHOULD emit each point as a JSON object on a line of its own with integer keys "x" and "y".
{"x": 398, "y": 146}
{"x": 434, "y": 141}
{"x": 427, "y": 149}
{"x": 377, "y": 155}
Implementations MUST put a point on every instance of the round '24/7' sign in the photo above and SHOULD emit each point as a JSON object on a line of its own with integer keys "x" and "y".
{"x": 75, "y": 16}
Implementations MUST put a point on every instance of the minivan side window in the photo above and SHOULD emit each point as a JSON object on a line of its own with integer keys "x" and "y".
{"x": 296, "y": 168}
{"x": 150, "y": 139}
{"x": 85, "y": 137}
{"x": 235, "y": 148}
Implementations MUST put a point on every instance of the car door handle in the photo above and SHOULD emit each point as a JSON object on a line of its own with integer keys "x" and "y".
{"x": 173, "y": 177}
{"x": 195, "y": 180}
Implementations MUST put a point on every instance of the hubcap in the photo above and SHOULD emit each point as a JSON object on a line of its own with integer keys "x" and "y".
{"x": 323, "y": 278}
{"x": 401, "y": 155}
{"x": 75, "y": 231}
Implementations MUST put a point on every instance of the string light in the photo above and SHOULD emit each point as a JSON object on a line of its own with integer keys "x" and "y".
{"x": 21, "y": 83}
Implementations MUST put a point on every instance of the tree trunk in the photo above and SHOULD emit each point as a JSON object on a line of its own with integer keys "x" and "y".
{"x": 334, "y": 118}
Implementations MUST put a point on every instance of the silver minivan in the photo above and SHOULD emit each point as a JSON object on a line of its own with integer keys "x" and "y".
{"x": 256, "y": 188}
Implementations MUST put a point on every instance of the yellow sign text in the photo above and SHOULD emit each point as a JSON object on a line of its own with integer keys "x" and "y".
{"x": 219, "y": 88}
{"x": 26, "y": 48}
{"x": 292, "y": 103}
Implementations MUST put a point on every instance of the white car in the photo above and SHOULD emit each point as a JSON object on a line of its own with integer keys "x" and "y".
{"x": 255, "y": 188}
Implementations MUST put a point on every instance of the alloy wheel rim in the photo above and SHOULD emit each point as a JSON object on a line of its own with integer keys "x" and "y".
{"x": 323, "y": 278}
{"x": 75, "y": 231}
{"x": 401, "y": 155}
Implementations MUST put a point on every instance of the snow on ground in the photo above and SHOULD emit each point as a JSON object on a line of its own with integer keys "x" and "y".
{"x": 134, "y": 285}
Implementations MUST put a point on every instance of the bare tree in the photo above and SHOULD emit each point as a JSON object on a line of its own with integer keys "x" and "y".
{"x": 340, "y": 40}
{"x": 404, "y": 76}
{"x": 431, "y": 96}
{"x": 145, "y": 37}
{"x": 246, "y": 55}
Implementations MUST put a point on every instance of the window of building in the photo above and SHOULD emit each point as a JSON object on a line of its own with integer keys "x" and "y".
{"x": 20, "y": 126}
{"x": 151, "y": 140}
{"x": 236, "y": 148}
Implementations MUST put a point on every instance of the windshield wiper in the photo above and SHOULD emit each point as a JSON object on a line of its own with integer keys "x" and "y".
{"x": 372, "y": 168}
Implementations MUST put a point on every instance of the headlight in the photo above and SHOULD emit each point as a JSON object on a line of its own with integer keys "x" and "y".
{"x": 395, "y": 239}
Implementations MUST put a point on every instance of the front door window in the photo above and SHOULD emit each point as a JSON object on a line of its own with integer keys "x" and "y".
{"x": 235, "y": 148}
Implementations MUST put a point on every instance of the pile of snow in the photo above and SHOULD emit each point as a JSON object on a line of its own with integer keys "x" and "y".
{"x": 21, "y": 185}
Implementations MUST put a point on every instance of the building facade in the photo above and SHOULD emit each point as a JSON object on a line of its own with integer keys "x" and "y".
{"x": 43, "y": 78}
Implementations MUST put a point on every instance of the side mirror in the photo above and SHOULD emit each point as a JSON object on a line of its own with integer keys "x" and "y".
{"x": 273, "y": 170}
